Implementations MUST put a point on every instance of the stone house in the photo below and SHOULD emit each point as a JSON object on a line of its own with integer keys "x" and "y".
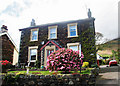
{"x": 39, "y": 41}
{"x": 8, "y": 49}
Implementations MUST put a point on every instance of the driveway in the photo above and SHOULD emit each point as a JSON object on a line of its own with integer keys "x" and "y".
{"x": 109, "y": 76}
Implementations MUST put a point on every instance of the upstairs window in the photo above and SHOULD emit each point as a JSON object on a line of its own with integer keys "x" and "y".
{"x": 52, "y": 32}
{"x": 72, "y": 30}
{"x": 34, "y": 35}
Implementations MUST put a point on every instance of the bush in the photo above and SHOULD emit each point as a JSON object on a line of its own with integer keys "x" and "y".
{"x": 63, "y": 60}
{"x": 5, "y": 65}
{"x": 85, "y": 64}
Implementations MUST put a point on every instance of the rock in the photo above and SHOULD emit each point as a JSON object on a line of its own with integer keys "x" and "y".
{"x": 71, "y": 82}
{"x": 31, "y": 83}
{"x": 52, "y": 84}
{"x": 40, "y": 84}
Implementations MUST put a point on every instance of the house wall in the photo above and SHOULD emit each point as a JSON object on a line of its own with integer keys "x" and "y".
{"x": 15, "y": 57}
{"x": 62, "y": 37}
{"x": 7, "y": 49}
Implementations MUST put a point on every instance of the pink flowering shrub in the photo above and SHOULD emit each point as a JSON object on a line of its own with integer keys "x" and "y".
{"x": 63, "y": 60}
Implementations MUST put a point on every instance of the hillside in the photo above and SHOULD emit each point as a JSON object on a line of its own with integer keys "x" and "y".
{"x": 109, "y": 46}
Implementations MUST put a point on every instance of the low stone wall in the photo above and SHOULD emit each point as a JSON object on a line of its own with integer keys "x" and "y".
{"x": 50, "y": 80}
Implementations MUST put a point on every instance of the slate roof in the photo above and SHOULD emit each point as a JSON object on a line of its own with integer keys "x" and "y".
{"x": 56, "y": 23}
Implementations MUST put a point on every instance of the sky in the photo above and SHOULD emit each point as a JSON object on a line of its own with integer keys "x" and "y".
{"x": 17, "y": 14}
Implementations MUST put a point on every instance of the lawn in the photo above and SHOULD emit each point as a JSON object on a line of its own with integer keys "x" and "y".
{"x": 87, "y": 71}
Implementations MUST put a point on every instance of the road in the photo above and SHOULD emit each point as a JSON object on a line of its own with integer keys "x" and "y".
{"x": 109, "y": 76}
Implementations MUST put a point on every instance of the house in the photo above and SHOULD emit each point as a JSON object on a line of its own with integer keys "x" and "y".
{"x": 8, "y": 48}
{"x": 38, "y": 41}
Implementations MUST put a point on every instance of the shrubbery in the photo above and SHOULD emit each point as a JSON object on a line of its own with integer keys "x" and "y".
{"x": 5, "y": 65}
{"x": 63, "y": 60}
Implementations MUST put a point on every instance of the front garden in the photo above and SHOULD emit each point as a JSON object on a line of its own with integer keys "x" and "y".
{"x": 64, "y": 67}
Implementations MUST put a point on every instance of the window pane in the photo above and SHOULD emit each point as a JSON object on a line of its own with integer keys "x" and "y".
{"x": 53, "y": 35}
{"x": 53, "y": 30}
{"x": 73, "y": 33}
{"x": 75, "y": 48}
{"x": 72, "y": 30}
{"x": 33, "y": 57}
{"x": 34, "y": 35}
{"x": 34, "y": 32}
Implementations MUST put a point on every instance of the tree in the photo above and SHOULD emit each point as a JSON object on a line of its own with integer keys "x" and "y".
{"x": 98, "y": 37}
{"x": 99, "y": 41}
{"x": 116, "y": 55}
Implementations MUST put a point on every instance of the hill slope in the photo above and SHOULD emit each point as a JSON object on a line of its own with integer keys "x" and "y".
{"x": 109, "y": 46}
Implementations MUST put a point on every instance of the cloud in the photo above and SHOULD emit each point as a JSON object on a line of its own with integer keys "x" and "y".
{"x": 15, "y": 8}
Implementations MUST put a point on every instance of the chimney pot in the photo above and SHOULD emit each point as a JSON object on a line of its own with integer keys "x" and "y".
{"x": 33, "y": 22}
{"x": 89, "y": 13}
{"x": 4, "y": 28}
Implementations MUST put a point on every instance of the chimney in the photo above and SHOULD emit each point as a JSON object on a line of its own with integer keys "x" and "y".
{"x": 89, "y": 13}
{"x": 33, "y": 22}
{"x": 4, "y": 29}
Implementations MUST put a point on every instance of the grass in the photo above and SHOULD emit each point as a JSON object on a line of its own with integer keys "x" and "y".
{"x": 87, "y": 71}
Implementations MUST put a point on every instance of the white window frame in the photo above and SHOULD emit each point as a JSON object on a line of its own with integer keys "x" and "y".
{"x": 50, "y": 27}
{"x": 31, "y": 34}
{"x": 68, "y": 26}
{"x": 29, "y": 56}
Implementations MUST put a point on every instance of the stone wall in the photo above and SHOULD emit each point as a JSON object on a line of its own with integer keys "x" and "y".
{"x": 50, "y": 80}
{"x": 53, "y": 80}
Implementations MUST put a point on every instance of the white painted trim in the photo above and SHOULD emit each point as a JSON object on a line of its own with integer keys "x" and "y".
{"x": 32, "y": 47}
{"x": 6, "y": 33}
{"x": 68, "y": 25}
{"x": 49, "y": 31}
{"x": 37, "y": 29}
{"x": 48, "y": 48}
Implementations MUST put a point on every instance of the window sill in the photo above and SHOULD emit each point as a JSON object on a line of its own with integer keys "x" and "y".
{"x": 33, "y": 40}
{"x": 72, "y": 36}
{"x": 32, "y": 61}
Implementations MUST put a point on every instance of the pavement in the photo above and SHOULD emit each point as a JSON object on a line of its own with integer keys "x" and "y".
{"x": 108, "y": 76}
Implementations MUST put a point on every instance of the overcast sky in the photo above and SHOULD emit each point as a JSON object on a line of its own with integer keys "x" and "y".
{"x": 17, "y": 14}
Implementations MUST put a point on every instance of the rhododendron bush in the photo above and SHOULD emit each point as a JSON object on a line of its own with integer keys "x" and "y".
{"x": 64, "y": 60}
{"x": 5, "y": 64}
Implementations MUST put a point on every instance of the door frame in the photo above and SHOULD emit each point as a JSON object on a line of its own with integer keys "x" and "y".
{"x": 48, "y": 48}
